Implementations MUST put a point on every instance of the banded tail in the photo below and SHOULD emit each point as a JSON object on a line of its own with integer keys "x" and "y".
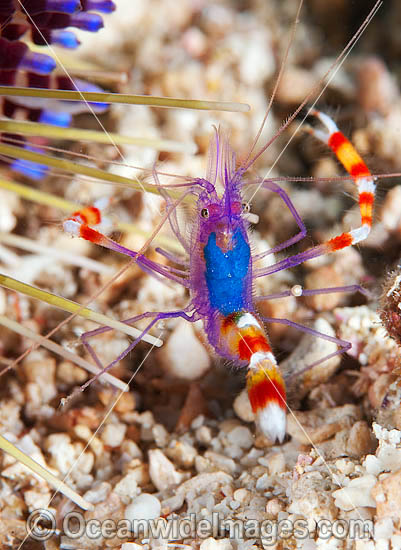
{"x": 266, "y": 392}
{"x": 247, "y": 339}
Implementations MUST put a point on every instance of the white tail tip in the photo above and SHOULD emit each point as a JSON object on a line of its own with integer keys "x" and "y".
{"x": 272, "y": 422}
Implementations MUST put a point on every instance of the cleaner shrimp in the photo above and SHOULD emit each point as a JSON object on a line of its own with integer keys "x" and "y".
{"x": 219, "y": 269}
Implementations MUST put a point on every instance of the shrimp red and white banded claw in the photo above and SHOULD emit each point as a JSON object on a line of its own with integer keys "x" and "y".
{"x": 356, "y": 167}
{"x": 90, "y": 220}
{"x": 364, "y": 181}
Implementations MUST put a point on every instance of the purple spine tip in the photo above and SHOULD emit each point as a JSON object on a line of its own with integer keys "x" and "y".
{"x": 99, "y": 107}
{"x": 105, "y": 6}
{"x": 55, "y": 118}
{"x": 38, "y": 63}
{"x": 87, "y": 21}
{"x": 63, "y": 6}
{"x": 29, "y": 169}
{"x": 89, "y": 87}
{"x": 66, "y": 39}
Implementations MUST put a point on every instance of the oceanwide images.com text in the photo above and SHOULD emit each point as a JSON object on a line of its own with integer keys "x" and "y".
{"x": 41, "y": 525}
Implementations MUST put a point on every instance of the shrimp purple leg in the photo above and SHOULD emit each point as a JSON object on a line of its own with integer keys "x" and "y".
{"x": 172, "y": 257}
{"x": 271, "y": 186}
{"x": 343, "y": 344}
{"x": 158, "y": 316}
{"x": 76, "y": 227}
{"x": 297, "y": 291}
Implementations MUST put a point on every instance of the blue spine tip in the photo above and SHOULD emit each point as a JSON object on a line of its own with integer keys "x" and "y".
{"x": 66, "y": 39}
{"x": 86, "y": 86}
{"x": 99, "y": 107}
{"x": 29, "y": 169}
{"x": 105, "y": 6}
{"x": 87, "y": 21}
{"x": 56, "y": 119}
{"x": 63, "y": 6}
{"x": 38, "y": 63}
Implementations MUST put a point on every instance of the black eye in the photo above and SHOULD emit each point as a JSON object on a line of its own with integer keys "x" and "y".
{"x": 205, "y": 213}
{"x": 246, "y": 207}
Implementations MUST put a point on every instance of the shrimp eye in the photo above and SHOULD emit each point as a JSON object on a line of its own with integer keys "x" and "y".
{"x": 205, "y": 213}
{"x": 246, "y": 207}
